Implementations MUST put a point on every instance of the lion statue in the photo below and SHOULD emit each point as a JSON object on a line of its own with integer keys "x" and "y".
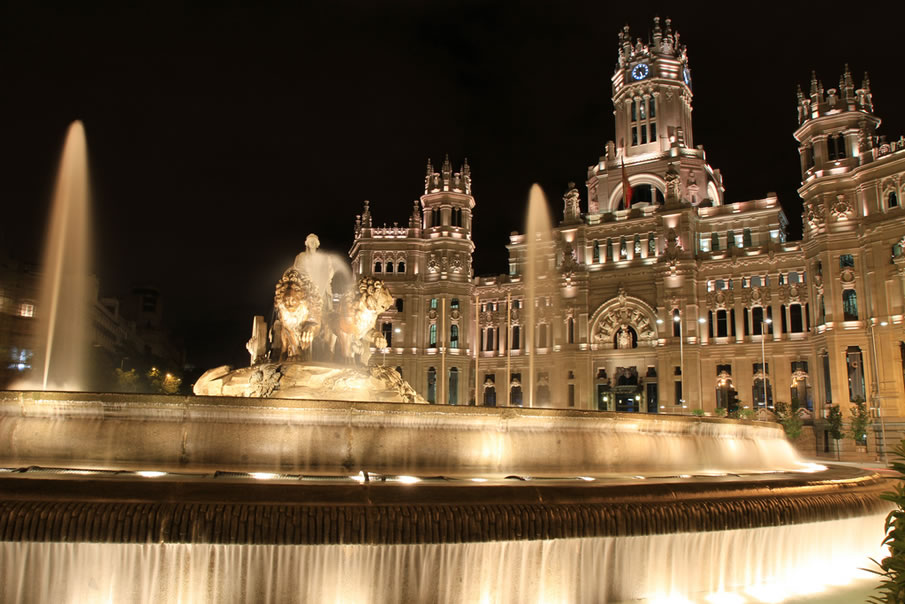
{"x": 356, "y": 317}
{"x": 299, "y": 307}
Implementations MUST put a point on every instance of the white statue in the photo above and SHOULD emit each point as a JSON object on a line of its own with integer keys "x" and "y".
{"x": 623, "y": 338}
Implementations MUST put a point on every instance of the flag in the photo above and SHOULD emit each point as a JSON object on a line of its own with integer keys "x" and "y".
{"x": 626, "y": 188}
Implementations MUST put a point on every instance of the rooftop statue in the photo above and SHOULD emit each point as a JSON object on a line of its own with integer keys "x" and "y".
{"x": 320, "y": 343}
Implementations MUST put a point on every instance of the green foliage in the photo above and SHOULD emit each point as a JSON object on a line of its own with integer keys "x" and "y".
{"x": 697, "y": 412}
{"x": 860, "y": 422}
{"x": 126, "y": 381}
{"x": 721, "y": 412}
{"x": 745, "y": 413}
{"x": 892, "y": 568}
{"x": 787, "y": 415}
{"x": 153, "y": 381}
{"x": 834, "y": 422}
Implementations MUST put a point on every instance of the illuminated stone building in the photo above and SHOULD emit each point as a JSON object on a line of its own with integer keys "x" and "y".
{"x": 676, "y": 299}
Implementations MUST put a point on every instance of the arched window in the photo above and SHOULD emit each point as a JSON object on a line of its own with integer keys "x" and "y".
{"x": 489, "y": 396}
{"x": 892, "y": 200}
{"x": 595, "y": 252}
{"x": 431, "y": 385}
{"x": 387, "y": 330}
{"x": 516, "y": 337}
{"x": 453, "y": 386}
{"x": 677, "y": 323}
{"x": 637, "y": 246}
{"x": 609, "y": 250}
{"x": 570, "y": 330}
{"x": 432, "y": 336}
{"x": 623, "y": 249}
{"x": 746, "y": 238}
{"x": 515, "y": 390}
{"x": 453, "y": 336}
{"x": 761, "y": 395}
{"x": 389, "y": 267}
{"x": 400, "y": 268}
{"x": 378, "y": 267}
{"x": 849, "y": 305}
{"x": 399, "y": 304}
{"x": 651, "y": 245}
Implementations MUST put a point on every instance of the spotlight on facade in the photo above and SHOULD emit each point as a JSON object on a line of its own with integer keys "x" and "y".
{"x": 659, "y": 321}
{"x": 884, "y": 323}
{"x": 675, "y": 318}
{"x": 702, "y": 320}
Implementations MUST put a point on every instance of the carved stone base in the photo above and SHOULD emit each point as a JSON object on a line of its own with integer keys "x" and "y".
{"x": 308, "y": 381}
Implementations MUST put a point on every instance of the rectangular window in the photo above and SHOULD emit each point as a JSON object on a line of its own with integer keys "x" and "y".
{"x": 26, "y": 310}
{"x": 432, "y": 336}
{"x": 571, "y": 395}
{"x": 641, "y": 111}
{"x": 634, "y": 111}
{"x": 679, "y": 393}
{"x": 643, "y": 135}
{"x": 653, "y": 107}
{"x": 849, "y": 305}
{"x": 653, "y": 131}
{"x": 634, "y": 136}
{"x": 757, "y": 320}
{"x": 846, "y": 261}
{"x": 434, "y": 303}
{"x": 722, "y": 323}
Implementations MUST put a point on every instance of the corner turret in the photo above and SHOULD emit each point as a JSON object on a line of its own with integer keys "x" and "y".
{"x": 837, "y": 127}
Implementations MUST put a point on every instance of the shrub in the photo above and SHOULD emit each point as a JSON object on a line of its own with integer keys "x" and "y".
{"x": 698, "y": 412}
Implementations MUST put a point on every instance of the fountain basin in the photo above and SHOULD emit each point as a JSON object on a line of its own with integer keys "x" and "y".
{"x": 163, "y": 498}
{"x": 332, "y": 438}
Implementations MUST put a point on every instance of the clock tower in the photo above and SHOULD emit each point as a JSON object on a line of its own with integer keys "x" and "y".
{"x": 652, "y": 93}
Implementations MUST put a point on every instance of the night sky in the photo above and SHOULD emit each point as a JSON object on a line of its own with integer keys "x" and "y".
{"x": 219, "y": 138}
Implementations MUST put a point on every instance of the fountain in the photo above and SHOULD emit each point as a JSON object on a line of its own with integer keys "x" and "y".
{"x": 286, "y": 481}
{"x": 63, "y": 295}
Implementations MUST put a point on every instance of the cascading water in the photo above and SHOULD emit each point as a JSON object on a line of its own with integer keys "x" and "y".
{"x": 63, "y": 297}
{"x": 538, "y": 238}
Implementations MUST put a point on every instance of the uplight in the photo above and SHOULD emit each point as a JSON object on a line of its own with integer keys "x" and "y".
{"x": 150, "y": 474}
{"x": 475, "y": 479}
{"x": 408, "y": 479}
{"x": 586, "y": 478}
{"x": 263, "y": 475}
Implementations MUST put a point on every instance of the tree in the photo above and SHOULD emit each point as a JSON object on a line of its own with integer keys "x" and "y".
{"x": 834, "y": 425}
{"x": 787, "y": 415}
{"x": 860, "y": 422}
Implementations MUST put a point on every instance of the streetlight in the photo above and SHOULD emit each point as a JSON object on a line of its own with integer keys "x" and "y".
{"x": 763, "y": 355}
{"x": 677, "y": 318}
{"x": 875, "y": 387}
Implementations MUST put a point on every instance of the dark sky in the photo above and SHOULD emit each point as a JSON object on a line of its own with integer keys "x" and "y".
{"x": 220, "y": 137}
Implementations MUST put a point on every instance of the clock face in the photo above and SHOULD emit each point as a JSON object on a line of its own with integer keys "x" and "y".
{"x": 686, "y": 75}
{"x": 640, "y": 71}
